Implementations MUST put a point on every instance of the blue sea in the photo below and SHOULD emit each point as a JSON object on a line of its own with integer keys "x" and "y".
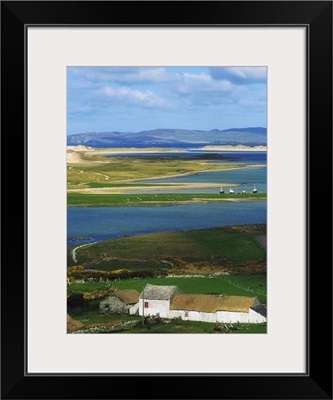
{"x": 244, "y": 157}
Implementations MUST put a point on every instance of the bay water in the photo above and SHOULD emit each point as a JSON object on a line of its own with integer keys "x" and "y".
{"x": 101, "y": 223}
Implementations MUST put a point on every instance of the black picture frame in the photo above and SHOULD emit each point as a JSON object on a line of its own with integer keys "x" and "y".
{"x": 316, "y": 16}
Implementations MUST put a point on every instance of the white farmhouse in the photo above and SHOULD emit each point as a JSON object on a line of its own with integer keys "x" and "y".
{"x": 156, "y": 299}
{"x": 169, "y": 302}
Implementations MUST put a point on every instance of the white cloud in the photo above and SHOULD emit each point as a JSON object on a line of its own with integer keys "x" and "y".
{"x": 154, "y": 93}
{"x": 202, "y": 82}
{"x": 134, "y": 97}
{"x": 123, "y": 75}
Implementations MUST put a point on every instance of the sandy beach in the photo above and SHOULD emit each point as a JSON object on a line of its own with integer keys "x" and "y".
{"x": 235, "y": 148}
{"x": 78, "y": 154}
{"x": 134, "y": 150}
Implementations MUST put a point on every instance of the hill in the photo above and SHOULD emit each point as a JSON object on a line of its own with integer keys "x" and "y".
{"x": 194, "y": 251}
{"x": 176, "y": 138}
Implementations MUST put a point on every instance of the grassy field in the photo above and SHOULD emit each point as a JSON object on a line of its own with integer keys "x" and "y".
{"x": 134, "y": 168}
{"x": 199, "y": 251}
{"x": 162, "y": 199}
{"x": 232, "y": 285}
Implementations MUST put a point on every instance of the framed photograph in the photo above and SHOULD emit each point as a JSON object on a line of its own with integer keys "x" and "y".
{"x": 168, "y": 157}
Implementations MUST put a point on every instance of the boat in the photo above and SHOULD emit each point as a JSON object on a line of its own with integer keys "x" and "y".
{"x": 221, "y": 190}
{"x": 231, "y": 191}
{"x": 254, "y": 189}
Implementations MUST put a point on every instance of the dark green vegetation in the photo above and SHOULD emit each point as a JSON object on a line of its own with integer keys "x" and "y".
{"x": 205, "y": 251}
{"x": 162, "y": 199}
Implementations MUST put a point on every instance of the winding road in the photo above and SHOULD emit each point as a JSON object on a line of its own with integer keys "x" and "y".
{"x": 78, "y": 247}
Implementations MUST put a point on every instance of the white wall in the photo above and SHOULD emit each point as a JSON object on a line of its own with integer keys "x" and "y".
{"x": 133, "y": 309}
{"x": 225, "y": 316}
{"x": 160, "y": 307}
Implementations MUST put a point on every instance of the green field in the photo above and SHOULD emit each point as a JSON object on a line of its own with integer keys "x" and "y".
{"x": 134, "y": 168}
{"x": 162, "y": 199}
{"x": 232, "y": 285}
{"x": 213, "y": 250}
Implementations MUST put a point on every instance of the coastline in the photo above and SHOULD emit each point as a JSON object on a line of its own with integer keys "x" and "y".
{"x": 87, "y": 155}
{"x": 164, "y": 186}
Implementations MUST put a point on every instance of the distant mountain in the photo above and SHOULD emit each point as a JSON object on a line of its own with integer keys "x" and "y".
{"x": 177, "y": 138}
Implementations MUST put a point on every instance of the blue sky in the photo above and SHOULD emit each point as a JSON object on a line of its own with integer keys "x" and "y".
{"x": 132, "y": 99}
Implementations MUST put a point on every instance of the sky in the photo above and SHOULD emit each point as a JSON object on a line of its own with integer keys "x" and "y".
{"x": 133, "y": 99}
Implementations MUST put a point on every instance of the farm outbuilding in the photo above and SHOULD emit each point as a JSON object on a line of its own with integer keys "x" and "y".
{"x": 121, "y": 302}
{"x": 170, "y": 302}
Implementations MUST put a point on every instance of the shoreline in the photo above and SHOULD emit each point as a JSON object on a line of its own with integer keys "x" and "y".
{"x": 75, "y": 153}
{"x": 166, "y": 200}
{"x": 165, "y": 203}
{"x": 166, "y": 185}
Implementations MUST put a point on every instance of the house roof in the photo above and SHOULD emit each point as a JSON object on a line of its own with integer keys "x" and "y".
{"x": 129, "y": 296}
{"x": 156, "y": 292}
{"x": 211, "y": 303}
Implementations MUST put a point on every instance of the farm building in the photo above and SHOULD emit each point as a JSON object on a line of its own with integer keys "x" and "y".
{"x": 156, "y": 300}
{"x": 121, "y": 302}
{"x": 169, "y": 302}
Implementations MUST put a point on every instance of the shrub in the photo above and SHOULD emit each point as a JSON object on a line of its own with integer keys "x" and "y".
{"x": 75, "y": 300}
{"x": 175, "y": 261}
{"x": 79, "y": 273}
